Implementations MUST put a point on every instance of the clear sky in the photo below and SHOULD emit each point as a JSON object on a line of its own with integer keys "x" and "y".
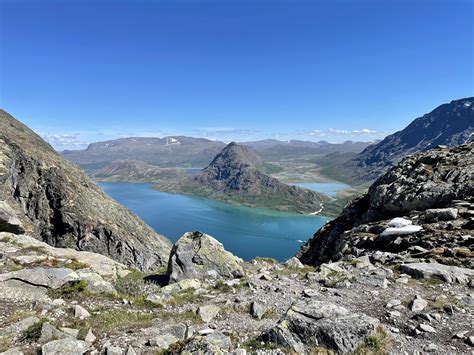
{"x": 80, "y": 71}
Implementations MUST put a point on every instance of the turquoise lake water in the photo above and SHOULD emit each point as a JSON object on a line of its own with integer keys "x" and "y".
{"x": 246, "y": 232}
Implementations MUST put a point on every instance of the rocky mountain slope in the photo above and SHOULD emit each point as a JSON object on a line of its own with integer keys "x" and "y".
{"x": 235, "y": 176}
{"x": 176, "y": 151}
{"x": 431, "y": 197}
{"x": 450, "y": 124}
{"x": 275, "y": 150}
{"x": 53, "y": 200}
{"x": 135, "y": 171}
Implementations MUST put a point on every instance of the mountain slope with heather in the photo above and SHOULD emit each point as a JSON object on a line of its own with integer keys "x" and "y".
{"x": 235, "y": 176}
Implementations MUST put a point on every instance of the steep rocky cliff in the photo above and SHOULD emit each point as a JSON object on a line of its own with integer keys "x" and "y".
{"x": 450, "y": 124}
{"x": 57, "y": 203}
{"x": 424, "y": 207}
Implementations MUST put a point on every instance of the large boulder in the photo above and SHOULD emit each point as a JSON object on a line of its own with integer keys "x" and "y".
{"x": 49, "y": 278}
{"x": 312, "y": 323}
{"x": 199, "y": 256}
{"x": 24, "y": 249}
{"x": 65, "y": 346}
{"x": 437, "y": 271}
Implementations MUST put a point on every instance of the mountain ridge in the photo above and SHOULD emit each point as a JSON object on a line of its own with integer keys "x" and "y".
{"x": 59, "y": 204}
{"x": 234, "y": 176}
{"x": 449, "y": 124}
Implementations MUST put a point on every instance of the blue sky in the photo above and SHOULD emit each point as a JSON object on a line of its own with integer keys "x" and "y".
{"x": 81, "y": 71}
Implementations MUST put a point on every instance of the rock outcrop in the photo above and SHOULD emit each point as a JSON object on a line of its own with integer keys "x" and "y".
{"x": 311, "y": 324}
{"x": 423, "y": 208}
{"x": 57, "y": 203}
{"x": 199, "y": 256}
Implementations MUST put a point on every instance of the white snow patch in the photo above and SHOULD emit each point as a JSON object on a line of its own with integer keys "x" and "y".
{"x": 401, "y": 230}
{"x": 467, "y": 104}
{"x": 399, "y": 222}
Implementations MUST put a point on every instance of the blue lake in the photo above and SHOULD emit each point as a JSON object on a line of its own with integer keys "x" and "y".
{"x": 328, "y": 188}
{"x": 246, "y": 232}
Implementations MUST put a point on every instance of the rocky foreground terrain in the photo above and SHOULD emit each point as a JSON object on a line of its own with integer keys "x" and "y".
{"x": 392, "y": 274}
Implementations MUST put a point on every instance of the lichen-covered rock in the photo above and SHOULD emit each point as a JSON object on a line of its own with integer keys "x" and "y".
{"x": 438, "y": 272}
{"x": 65, "y": 346}
{"x": 199, "y": 256}
{"x": 213, "y": 343}
{"x": 169, "y": 336}
{"x": 59, "y": 204}
{"x": 311, "y": 323}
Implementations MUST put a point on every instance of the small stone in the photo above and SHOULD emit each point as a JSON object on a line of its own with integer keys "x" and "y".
{"x": 430, "y": 347}
{"x": 426, "y": 328}
{"x": 393, "y": 303}
{"x": 90, "y": 337}
{"x": 294, "y": 263}
{"x": 265, "y": 277}
{"x": 58, "y": 302}
{"x": 418, "y": 304}
{"x": 310, "y": 292}
{"x": 394, "y": 314}
{"x": 49, "y": 332}
{"x": 131, "y": 351}
{"x": 207, "y": 313}
{"x": 461, "y": 335}
{"x": 70, "y": 331}
{"x": 402, "y": 280}
{"x": 206, "y": 331}
{"x": 470, "y": 340}
{"x": 81, "y": 312}
{"x": 114, "y": 350}
{"x": 257, "y": 310}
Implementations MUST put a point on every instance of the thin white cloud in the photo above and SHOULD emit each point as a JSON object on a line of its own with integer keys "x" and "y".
{"x": 65, "y": 141}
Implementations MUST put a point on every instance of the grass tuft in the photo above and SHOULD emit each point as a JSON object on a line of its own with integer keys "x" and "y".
{"x": 69, "y": 291}
{"x": 378, "y": 343}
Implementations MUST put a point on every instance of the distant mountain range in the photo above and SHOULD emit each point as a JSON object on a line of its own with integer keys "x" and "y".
{"x": 177, "y": 151}
{"x": 352, "y": 162}
{"x": 234, "y": 176}
{"x": 185, "y": 152}
{"x": 450, "y": 124}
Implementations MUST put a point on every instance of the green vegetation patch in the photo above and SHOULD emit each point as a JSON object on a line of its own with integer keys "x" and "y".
{"x": 69, "y": 291}
{"x": 378, "y": 343}
{"x": 33, "y": 333}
